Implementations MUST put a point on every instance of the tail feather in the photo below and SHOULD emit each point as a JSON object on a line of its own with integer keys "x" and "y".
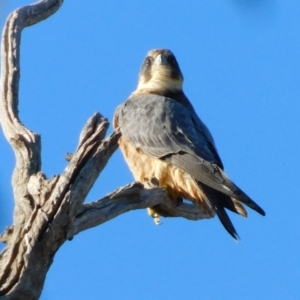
{"x": 217, "y": 201}
{"x": 239, "y": 195}
{"x": 230, "y": 203}
{"x": 239, "y": 207}
{"x": 226, "y": 222}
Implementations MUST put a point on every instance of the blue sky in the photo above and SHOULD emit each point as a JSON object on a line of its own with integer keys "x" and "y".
{"x": 240, "y": 60}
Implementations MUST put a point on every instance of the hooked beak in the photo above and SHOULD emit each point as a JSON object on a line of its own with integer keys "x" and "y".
{"x": 160, "y": 60}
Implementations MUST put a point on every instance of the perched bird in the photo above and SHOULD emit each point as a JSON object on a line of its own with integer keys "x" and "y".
{"x": 164, "y": 141}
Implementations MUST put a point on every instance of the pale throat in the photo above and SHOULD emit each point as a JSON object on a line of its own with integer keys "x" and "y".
{"x": 160, "y": 80}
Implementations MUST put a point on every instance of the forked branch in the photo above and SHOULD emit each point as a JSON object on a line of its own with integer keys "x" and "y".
{"x": 48, "y": 211}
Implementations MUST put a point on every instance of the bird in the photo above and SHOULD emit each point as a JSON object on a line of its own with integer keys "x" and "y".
{"x": 164, "y": 141}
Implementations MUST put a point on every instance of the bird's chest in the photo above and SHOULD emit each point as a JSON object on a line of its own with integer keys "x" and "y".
{"x": 142, "y": 166}
{"x": 146, "y": 168}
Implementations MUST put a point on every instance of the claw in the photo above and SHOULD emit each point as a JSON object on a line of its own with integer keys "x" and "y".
{"x": 157, "y": 220}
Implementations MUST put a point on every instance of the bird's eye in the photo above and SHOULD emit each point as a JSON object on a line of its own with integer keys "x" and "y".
{"x": 148, "y": 61}
{"x": 172, "y": 60}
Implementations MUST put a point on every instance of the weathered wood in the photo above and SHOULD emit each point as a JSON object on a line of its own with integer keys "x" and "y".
{"x": 48, "y": 211}
{"x": 131, "y": 197}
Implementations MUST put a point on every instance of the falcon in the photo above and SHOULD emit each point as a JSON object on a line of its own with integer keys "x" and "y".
{"x": 164, "y": 141}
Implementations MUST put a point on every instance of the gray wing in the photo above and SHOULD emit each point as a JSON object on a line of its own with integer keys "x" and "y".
{"x": 163, "y": 128}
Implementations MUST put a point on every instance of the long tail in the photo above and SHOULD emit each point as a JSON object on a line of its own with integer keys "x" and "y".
{"x": 218, "y": 201}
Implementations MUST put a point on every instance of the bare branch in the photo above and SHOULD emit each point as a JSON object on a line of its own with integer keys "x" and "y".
{"x": 51, "y": 206}
{"x": 130, "y": 197}
{"x": 25, "y": 143}
{"x": 48, "y": 211}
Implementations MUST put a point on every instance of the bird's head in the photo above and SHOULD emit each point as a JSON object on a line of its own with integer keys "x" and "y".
{"x": 160, "y": 72}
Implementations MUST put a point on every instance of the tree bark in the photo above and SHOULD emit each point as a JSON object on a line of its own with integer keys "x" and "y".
{"x": 49, "y": 211}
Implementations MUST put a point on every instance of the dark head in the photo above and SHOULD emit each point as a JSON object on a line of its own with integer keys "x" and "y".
{"x": 160, "y": 72}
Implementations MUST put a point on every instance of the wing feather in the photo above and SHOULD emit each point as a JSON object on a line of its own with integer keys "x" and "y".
{"x": 162, "y": 126}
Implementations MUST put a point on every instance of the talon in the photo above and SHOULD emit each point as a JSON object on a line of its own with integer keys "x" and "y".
{"x": 157, "y": 220}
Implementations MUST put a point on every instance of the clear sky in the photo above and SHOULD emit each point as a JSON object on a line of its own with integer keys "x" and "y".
{"x": 241, "y": 62}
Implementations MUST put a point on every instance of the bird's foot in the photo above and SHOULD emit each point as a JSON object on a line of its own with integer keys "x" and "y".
{"x": 154, "y": 215}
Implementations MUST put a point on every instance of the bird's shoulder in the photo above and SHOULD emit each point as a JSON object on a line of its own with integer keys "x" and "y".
{"x": 152, "y": 120}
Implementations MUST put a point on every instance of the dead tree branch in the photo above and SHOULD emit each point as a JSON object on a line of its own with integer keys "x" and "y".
{"x": 48, "y": 211}
{"x": 130, "y": 197}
